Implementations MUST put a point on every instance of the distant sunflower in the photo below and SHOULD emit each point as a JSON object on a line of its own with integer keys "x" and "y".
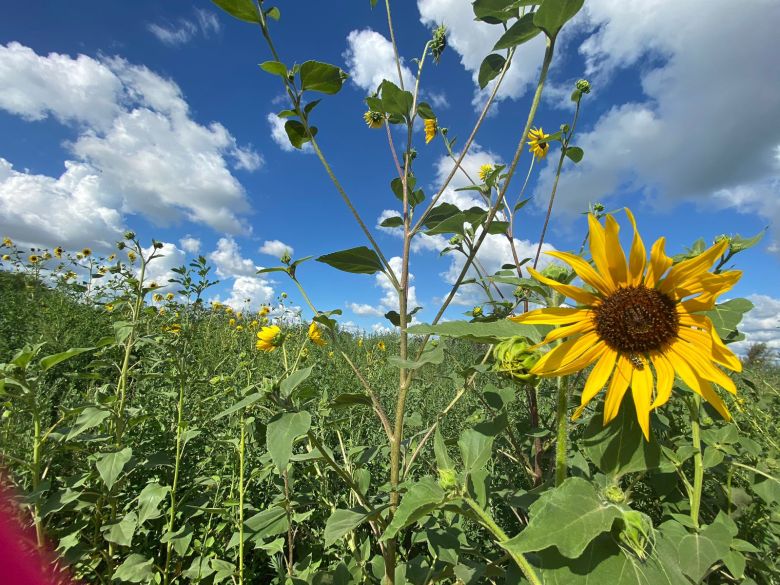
{"x": 86, "y": 252}
{"x": 269, "y": 338}
{"x": 484, "y": 172}
{"x": 538, "y": 143}
{"x": 638, "y": 315}
{"x": 374, "y": 119}
{"x": 315, "y": 335}
{"x": 431, "y": 128}
{"x": 58, "y": 252}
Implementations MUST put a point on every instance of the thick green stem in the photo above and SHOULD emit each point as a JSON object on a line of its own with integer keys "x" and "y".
{"x": 561, "y": 441}
{"x": 241, "y": 466}
{"x": 698, "y": 465}
{"x": 174, "y": 486}
{"x": 487, "y": 521}
{"x": 36, "y": 476}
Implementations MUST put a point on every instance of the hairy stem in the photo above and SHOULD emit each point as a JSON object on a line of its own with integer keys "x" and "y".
{"x": 698, "y": 465}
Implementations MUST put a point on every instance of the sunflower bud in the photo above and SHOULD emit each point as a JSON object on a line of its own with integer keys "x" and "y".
{"x": 583, "y": 85}
{"x": 476, "y": 311}
{"x": 448, "y": 479}
{"x": 456, "y": 240}
{"x": 515, "y": 357}
{"x": 157, "y": 245}
{"x": 438, "y": 42}
{"x": 129, "y": 235}
{"x": 556, "y": 272}
{"x": 285, "y": 259}
{"x": 614, "y": 494}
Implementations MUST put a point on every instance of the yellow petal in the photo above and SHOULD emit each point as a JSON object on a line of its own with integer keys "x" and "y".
{"x": 598, "y": 377}
{"x": 703, "y": 366}
{"x": 723, "y": 355}
{"x": 598, "y": 249}
{"x": 642, "y": 392}
{"x": 659, "y": 263}
{"x": 573, "y": 292}
{"x": 715, "y": 284}
{"x": 617, "y": 388}
{"x": 585, "y": 359}
{"x": 552, "y": 316}
{"x": 687, "y": 268}
{"x": 584, "y": 270}
{"x": 615, "y": 256}
{"x": 703, "y": 302}
{"x": 696, "y": 382}
{"x": 664, "y": 373}
{"x": 583, "y": 326}
{"x": 564, "y": 354}
{"x": 638, "y": 256}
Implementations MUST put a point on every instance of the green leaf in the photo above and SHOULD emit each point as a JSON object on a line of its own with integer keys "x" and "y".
{"x": 476, "y": 444}
{"x": 282, "y": 431}
{"x": 480, "y": 332}
{"x": 698, "y": 552}
{"x": 89, "y": 418}
{"x": 135, "y": 569}
{"x": 267, "y": 523}
{"x": 294, "y": 380}
{"x": 50, "y": 361}
{"x": 342, "y": 522}
{"x": 121, "y": 532}
{"x": 274, "y": 68}
{"x": 149, "y": 501}
{"x": 440, "y": 213}
{"x": 322, "y": 77}
{"x": 348, "y": 400}
{"x": 575, "y": 153}
{"x": 241, "y": 9}
{"x": 490, "y": 68}
{"x": 274, "y": 13}
{"x": 496, "y": 11}
{"x": 297, "y": 134}
{"x": 422, "y": 498}
{"x": 433, "y": 355}
{"x": 568, "y": 517}
{"x": 243, "y": 403}
{"x": 392, "y": 222}
{"x": 620, "y": 447}
{"x": 110, "y": 465}
{"x": 180, "y": 539}
{"x": 553, "y": 14}
{"x": 425, "y": 111}
{"x": 520, "y": 32}
{"x": 443, "y": 460}
{"x": 397, "y": 186}
{"x": 361, "y": 260}
{"x": 395, "y": 100}
{"x": 739, "y": 244}
{"x": 726, "y": 316}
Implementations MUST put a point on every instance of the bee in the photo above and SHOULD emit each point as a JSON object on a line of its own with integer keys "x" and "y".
{"x": 636, "y": 361}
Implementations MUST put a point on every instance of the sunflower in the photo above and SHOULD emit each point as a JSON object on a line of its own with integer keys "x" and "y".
{"x": 538, "y": 143}
{"x": 374, "y": 119}
{"x": 431, "y": 128}
{"x": 86, "y": 252}
{"x": 58, "y": 252}
{"x": 8, "y": 242}
{"x": 269, "y": 338}
{"x": 641, "y": 324}
{"x": 33, "y": 259}
{"x": 315, "y": 335}
{"x": 484, "y": 171}
{"x": 381, "y": 346}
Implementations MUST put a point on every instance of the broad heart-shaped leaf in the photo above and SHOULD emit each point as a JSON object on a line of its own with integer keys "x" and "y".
{"x": 149, "y": 501}
{"x": 476, "y": 444}
{"x": 575, "y": 153}
{"x": 620, "y": 447}
{"x": 439, "y": 213}
{"x": 603, "y": 562}
{"x": 520, "y": 32}
{"x": 498, "y": 11}
{"x": 52, "y": 360}
{"x": 553, "y": 14}
{"x": 322, "y": 77}
{"x": 726, "y": 316}
{"x": 281, "y": 432}
{"x": 361, "y": 260}
{"x": 269, "y": 522}
{"x": 434, "y": 355}
{"x": 490, "y": 332}
{"x": 297, "y": 134}
{"x": 698, "y": 552}
{"x": 242, "y": 9}
{"x": 393, "y": 221}
{"x": 567, "y": 517}
{"x": 294, "y": 380}
{"x": 89, "y": 418}
{"x": 395, "y": 100}
{"x": 490, "y": 68}
{"x": 135, "y": 569}
{"x": 121, "y": 532}
{"x": 110, "y": 465}
{"x": 422, "y": 498}
{"x": 341, "y": 523}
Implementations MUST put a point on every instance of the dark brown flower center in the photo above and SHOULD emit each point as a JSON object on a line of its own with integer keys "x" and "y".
{"x": 636, "y": 319}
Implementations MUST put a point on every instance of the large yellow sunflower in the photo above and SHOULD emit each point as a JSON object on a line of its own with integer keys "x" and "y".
{"x": 634, "y": 315}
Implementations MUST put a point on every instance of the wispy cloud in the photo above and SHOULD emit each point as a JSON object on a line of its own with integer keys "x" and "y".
{"x": 203, "y": 23}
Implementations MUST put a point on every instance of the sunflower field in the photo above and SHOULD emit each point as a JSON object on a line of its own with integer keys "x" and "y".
{"x": 593, "y": 427}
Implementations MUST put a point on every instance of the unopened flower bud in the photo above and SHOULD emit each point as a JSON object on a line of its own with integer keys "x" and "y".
{"x": 476, "y": 311}
{"x": 438, "y": 42}
{"x": 556, "y": 272}
{"x": 456, "y": 240}
{"x": 583, "y": 85}
{"x": 285, "y": 259}
{"x": 157, "y": 245}
{"x": 129, "y": 235}
{"x": 614, "y": 494}
{"x": 448, "y": 479}
{"x": 515, "y": 357}
{"x": 598, "y": 207}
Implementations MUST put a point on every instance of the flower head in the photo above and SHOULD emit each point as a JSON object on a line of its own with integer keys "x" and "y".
{"x": 381, "y": 346}
{"x": 111, "y": 257}
{"x": 131, "y": 256}
{"x": 315, "y": 335}
{"x": 232, "y": 322}
{"x": 6, "y": 257}
{"x": 86, "y": 252}
{"x": 431, "y": 128}
{"x": 8, "y": 242}
{"x": 33, "y": 259}
{"x": 269, "y": 338}
{"x": 58, "y": 252}
{"x": 640, "y": 325}
{"x": 538, "y": 143}
{"x": 484, "y": 172}
{"x": 157, "y": 297}
{"x": 264, "y": 310}
{"x": 169, "y": 297}
{"x": 108, "y": 307}
{"x": 374, "y": 119}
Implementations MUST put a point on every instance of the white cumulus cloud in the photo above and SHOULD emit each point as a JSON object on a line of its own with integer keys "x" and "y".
{"x": 370, "y": 60}
{"x": 276, "y": 248}
{"x": 228, "y": 261}
{"x": 190, "y": 244}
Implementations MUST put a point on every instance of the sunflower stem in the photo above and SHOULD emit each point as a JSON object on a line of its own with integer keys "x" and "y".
{"x": 698, "y": 466}
{"x": 561, "y": 444}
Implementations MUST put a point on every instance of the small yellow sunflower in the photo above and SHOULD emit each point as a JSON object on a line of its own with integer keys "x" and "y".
{"x": 240, "y": 328}
{"x": 169, "y": 297}
{"x": 8, "y": 242}
{"x": 6, "y": 257}
{"x": 33, "y": 259}
{"x": 232, "y": 323}
{"x": 431, "y": 128}
{"x": 108, "y": 307}
{"x": 264, "y": 310}
{"x": 538, "y": 143}
{"x": 269, "y": 338}
{"x": 111, "y": 257}
{"x": 131, "y": 256}
{"x": 315, "y": 335}
{"x": 157, "y": 297}
{"x": 638, "y": 315}
{"x": 254, "y": 324}
{"x": 58, "y": 252}
{"x": 374, "y": 119}
{"x": 86, "y": 252}
{"x": 381, "y": 346}
{"x": 484, "y": 171}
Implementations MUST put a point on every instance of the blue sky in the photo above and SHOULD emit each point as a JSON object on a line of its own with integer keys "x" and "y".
{"x": 155, "y": 116}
